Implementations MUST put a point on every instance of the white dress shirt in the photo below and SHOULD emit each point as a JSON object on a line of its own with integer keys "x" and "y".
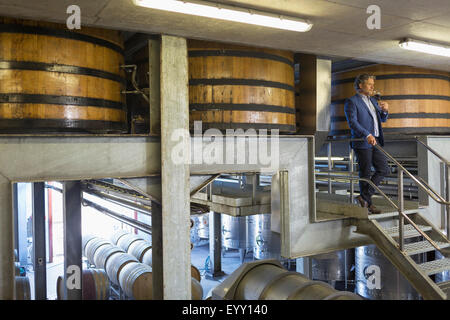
{"x": 373, "y": 112}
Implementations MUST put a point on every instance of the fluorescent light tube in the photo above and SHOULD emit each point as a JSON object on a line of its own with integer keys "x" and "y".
{"x": 425, "y": 47}
{"x": 228, "y": 13}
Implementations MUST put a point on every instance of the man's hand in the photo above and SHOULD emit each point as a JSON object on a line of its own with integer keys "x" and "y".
{"x": 371, "y": 140}
{"x": 384, "y": 106}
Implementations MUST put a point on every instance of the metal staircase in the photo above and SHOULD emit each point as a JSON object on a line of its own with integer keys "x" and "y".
{"x": 387, "y": 240}
{"x": 389, "y": 230}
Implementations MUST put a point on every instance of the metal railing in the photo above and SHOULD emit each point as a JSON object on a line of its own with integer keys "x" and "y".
{"x": 400, "y": 206}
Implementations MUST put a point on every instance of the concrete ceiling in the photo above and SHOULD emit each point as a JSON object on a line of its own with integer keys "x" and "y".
{"x": 339, "y": 29}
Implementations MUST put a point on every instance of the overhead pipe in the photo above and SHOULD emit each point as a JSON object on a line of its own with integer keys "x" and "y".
{"x": 122, "y": 218}
{"x": 124, "y": 203}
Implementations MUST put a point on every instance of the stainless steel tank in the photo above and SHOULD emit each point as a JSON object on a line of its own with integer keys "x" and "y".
{"x": 267, "y": 243}
{"x": 335, "y": 268}
{"x": 238, "y": 232}
{"x": 391, "y": 284}
{"x": 200, "y": 229}
{"x": 441, "y": 276}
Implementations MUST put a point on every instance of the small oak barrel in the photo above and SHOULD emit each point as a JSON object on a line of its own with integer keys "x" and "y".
{"x": 196, "y": 290}
{"x": 95, "y": 285}
{"x": 238, "y": 87}
{"x": 125, "y": 241}
{"x": 103, "y": 253}
{"x": 116, "y": 263}
{"x": 17, "y": 268}
{"x": 117, "y": 235}
{"x": 147, "y": 258}
{"x": 92, "y": 246}
{"x": 23, "y": 291}
{"x": 136, "y": 281}
{"x": 419, "y": 99}
{"x": 85, "y": 240}
{"x": 53, "y": 79}
{"x": 195, "y": 273}
{"x": 139, "y": 248}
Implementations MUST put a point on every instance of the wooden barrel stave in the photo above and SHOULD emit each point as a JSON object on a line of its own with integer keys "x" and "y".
{"x": 419, "y": 99}
{"x": 44, "y": 88}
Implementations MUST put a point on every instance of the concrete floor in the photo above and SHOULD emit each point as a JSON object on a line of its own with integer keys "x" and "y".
{"x": 230, "y": 262}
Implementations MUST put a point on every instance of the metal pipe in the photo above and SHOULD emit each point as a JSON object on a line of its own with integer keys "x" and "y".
{"x": 129, "y": 221}
{"x": 204, "y": 184}
{"x": 439, "y": 199}
{"x": 105, "y": 187}
{"x": 433, "y": 151}
{"x": 330, "y": 189}
{"x": 447, "y": 184}
{"x": 270, "y": 282}
{"x": 401, "y": 203}
{"x": 351, "y": 165}
{"x": 124, "y": 203}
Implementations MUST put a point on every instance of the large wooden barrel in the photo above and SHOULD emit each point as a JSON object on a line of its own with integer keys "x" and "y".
{"x": 116, "y": 263}
{"x": 53, "y": 79}
{"x": 125, "y": 241}
{"x": 103, "y": 253}
{"x": 23, "y": 291}
{"x": 117, "y": 235}
{"x": 136, "y": 281}
{"x": 95, "y": 285}
{"x": 92, "y": 246}
{"x": 139, "y": 248}
{"x": 238, "y": 87}
{"x": 419, "y": 99}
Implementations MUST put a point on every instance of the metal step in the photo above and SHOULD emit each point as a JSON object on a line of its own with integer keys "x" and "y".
{"x": 445, "y": 286}
{"x": 423, "y": 246}
{"x": 409, "y": 231}
{"x": 435, "y": 266}
{"x": 394, "y": 214}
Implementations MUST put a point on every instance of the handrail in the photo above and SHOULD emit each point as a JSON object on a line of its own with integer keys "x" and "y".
{"x": 441, "y": 200}
{"x": 424, "y": 186}
{"x": 392, "y": 203}
{"x": 433, "y": 151}
{"x": 438, "y": 198}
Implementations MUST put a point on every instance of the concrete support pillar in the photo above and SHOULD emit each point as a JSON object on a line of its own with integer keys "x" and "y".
{"x": 175, "y": 158}
{"x": 7, "y": 288}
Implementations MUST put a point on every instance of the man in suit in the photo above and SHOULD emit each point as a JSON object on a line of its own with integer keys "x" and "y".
{"x": 364, "y": 116}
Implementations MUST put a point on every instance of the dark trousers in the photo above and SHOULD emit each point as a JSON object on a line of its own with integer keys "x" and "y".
{"x": 366, "y": 159}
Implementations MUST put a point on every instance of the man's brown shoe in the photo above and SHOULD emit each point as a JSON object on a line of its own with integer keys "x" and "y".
{"x": 373, "y": 209}
{"x": 361, "y": 202}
